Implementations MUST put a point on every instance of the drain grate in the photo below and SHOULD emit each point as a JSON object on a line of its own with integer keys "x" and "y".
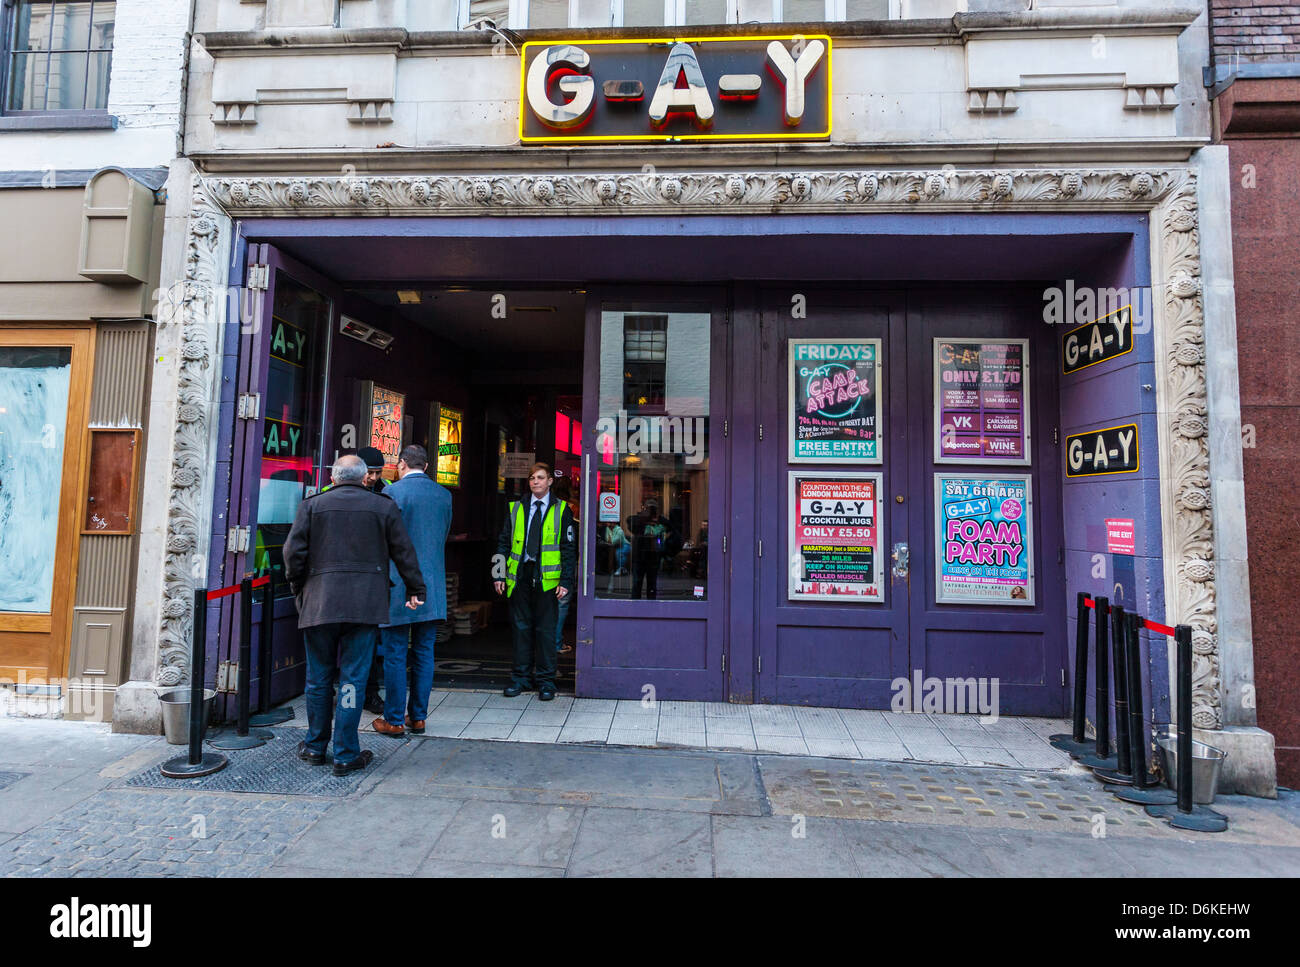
{"x": 274, "y": 768}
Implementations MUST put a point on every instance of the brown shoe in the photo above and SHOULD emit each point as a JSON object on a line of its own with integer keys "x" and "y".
{"x": 415, "y": 728}
{"x": 381, "y": 726}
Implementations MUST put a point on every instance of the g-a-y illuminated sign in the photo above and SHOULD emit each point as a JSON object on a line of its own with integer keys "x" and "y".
{"x": 710, "y": 88}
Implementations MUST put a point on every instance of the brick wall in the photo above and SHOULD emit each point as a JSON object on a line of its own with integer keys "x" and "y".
{"x": 1259, "y": 32}
{"x": 148, "y": 58}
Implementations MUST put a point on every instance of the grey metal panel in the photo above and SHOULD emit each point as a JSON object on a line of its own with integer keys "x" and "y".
{"x": 121, "y": 358}
{"x": 105, "y": 570}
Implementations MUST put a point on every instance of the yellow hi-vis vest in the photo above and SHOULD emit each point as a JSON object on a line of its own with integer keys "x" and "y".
{"x": 550, "y": 559}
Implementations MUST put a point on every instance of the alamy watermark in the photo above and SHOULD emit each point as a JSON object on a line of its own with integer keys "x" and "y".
{"x": 652, "y": 434}
{"x": 946, "y": 696}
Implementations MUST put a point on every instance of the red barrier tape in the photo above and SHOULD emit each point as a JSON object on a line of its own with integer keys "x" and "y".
{"x": 234, "y": 588}
{"x": 1149, "y": 625}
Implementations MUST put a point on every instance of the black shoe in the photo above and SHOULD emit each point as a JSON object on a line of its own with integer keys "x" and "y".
{"x": 511, "y": 691}
{"x": 545, "y": 694}
{"x": 311, "y": 758}
{"x": 360, "y": 762}
{"x": 374, "y": 704}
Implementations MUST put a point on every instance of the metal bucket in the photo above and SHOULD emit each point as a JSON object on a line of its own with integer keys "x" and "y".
{"x": 1207, "y": 761}
{"x": 176, "y": 713}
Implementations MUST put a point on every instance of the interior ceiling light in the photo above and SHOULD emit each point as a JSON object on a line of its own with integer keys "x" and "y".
{"x": 363, "y": 333}
{"x": 408, "y": 297}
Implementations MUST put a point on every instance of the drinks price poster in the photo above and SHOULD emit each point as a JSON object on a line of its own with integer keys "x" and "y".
{"x": 834, "y": 401}
{"x": 981, "y": 402}
{"x": 984, "y": 537}
{"x": 835, "y": 536}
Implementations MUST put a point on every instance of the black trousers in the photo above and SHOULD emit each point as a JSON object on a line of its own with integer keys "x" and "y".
{"x": 534, "y": 613}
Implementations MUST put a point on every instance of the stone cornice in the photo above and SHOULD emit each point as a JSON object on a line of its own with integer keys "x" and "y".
{"x": 958, "y": 26}
{"x": 695, "y": 192}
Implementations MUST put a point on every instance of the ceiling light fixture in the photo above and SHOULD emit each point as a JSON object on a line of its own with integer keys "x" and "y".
{"x": 362, "y": 333}
{"x": 408, "y": 297}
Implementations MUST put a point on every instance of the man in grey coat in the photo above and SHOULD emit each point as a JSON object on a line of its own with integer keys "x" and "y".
{"x": 336, "y": 559}
{"x": 426, "y": 512}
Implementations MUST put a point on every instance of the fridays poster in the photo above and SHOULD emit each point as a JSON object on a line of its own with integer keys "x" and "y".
{"x": 984, "y": 540}
{"x": 981, "y": 411}
{"x": 835, "y": 401}
{"x": 835, "y": 537}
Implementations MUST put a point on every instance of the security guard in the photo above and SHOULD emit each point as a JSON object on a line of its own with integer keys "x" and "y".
{"x": 540, "y": 550}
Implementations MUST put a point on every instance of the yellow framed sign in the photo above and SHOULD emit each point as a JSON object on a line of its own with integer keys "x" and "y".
{"x": 762, "y": 88}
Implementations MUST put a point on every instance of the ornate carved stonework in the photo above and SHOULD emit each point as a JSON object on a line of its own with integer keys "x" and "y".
{"x": 1168, "y": 193}
{"x": 201, "y": 306}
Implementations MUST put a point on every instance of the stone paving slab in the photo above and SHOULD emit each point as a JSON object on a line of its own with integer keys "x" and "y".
{"x": 9, "y": 778}
{"x": 624, "y": 843}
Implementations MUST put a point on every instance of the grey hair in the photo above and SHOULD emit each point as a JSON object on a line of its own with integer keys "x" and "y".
{"x": 348, "y": 469}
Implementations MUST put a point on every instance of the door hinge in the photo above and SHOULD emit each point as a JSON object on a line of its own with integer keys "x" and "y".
{"x": 237, "y": 539}
{"x": 760, "y": 431}
{"x": 724, "y": 543}
{"x": 227, "y": 676}
{"x": 250, "y": 406}
{"x": 760, "y": 664}
{"x": 760, "y": 548}
{"x": 1056, "y": 435}
{"x": 726, "y": 427}
{"x": 724, "y": 661}
{"x": 259, "y": 276}
{"x": 1062, "y": 677}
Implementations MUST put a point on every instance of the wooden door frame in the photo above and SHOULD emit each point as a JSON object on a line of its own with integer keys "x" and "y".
{"x": 80, "y": 337}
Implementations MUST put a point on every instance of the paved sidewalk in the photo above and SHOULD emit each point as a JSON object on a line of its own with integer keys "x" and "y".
{"x": 722, "y": 727}
{"x": 456, "y": 807}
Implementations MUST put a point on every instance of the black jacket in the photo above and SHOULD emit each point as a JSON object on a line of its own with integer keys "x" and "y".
{"x": 568, "y": 539}
{"x": 337, "y": 553}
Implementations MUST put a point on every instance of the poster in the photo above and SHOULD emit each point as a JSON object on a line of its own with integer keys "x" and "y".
{"x": 985, "y": 539}
{"x": 835, "y": 537}
{"x": 981, "y": 411}
{"x": 450, "y": 426}
{"x": 386, "y": 410}
{"x": 835, "y": 401}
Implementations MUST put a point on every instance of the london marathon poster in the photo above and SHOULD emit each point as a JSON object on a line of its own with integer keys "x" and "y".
{"x": 835, "y": 401}
{"x": 835, "y": 536}
{"x": 984, "y": 539}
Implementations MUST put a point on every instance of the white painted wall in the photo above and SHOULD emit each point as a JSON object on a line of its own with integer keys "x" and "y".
{"x": 146, "y": 91}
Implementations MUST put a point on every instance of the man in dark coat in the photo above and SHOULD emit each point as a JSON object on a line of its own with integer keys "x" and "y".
{"x": 336, "y": 561}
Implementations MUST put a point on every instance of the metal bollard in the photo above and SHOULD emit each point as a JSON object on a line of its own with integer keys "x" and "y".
{"x": 1122, "y": 772}
{"x": 1141, "y": 792}
{"x": 196, "y": 762}
{"x": 1184, "y": 813}
{"x": 1102, "y": 758}
{"x": 242, "y": 738}
{"x": 1077, "y": 742}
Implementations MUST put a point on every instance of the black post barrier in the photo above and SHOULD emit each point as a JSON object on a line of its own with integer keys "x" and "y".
{"x": 265, "y": 714}
{"x": 1184, "y": 813}
{"x": 1101, "y": 758}
{"x": 1122, "y": 772}
{"x": 1141, "y": 792}
{"x": 197, "y": 762}
{"x": 1077, "y": 742}
{"x": 243, "y": 739}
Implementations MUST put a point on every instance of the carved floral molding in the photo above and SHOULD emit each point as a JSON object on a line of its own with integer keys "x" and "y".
{"x": 1169, "y": 193}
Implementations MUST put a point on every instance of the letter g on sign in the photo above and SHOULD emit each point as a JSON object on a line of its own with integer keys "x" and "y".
{"x": 574, "y": 63}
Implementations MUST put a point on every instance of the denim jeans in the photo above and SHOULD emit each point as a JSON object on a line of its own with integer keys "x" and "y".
{"x": 562, "y": 612}
{"x": 422, "y": 635}
{"x": 342, "y": 653}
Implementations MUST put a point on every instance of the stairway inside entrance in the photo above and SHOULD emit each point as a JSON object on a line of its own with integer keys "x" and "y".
{"x": 1019, "y": 742}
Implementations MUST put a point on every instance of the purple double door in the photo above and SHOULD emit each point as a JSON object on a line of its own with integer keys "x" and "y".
{"x": 748, "y": 634}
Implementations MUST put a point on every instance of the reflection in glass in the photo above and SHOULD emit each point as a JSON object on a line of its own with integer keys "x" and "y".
{"x": 291, "y": 434}
{"x": 652, "y": 455}
{"x": 34, "y": 383}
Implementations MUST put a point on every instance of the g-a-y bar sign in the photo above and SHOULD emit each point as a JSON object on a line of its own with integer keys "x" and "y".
{"x": 695, "y": 89}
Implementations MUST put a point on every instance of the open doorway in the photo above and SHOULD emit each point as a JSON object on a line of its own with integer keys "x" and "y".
{"x": 506, "y": 392}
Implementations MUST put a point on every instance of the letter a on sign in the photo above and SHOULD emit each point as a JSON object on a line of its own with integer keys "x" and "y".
{"x": 692, "y": 99}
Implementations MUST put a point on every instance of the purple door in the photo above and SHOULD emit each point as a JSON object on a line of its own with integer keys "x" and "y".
{"x": 652, "y": 594}
{"x": 842, "y": 619}
{"x": 278, "y": 446}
